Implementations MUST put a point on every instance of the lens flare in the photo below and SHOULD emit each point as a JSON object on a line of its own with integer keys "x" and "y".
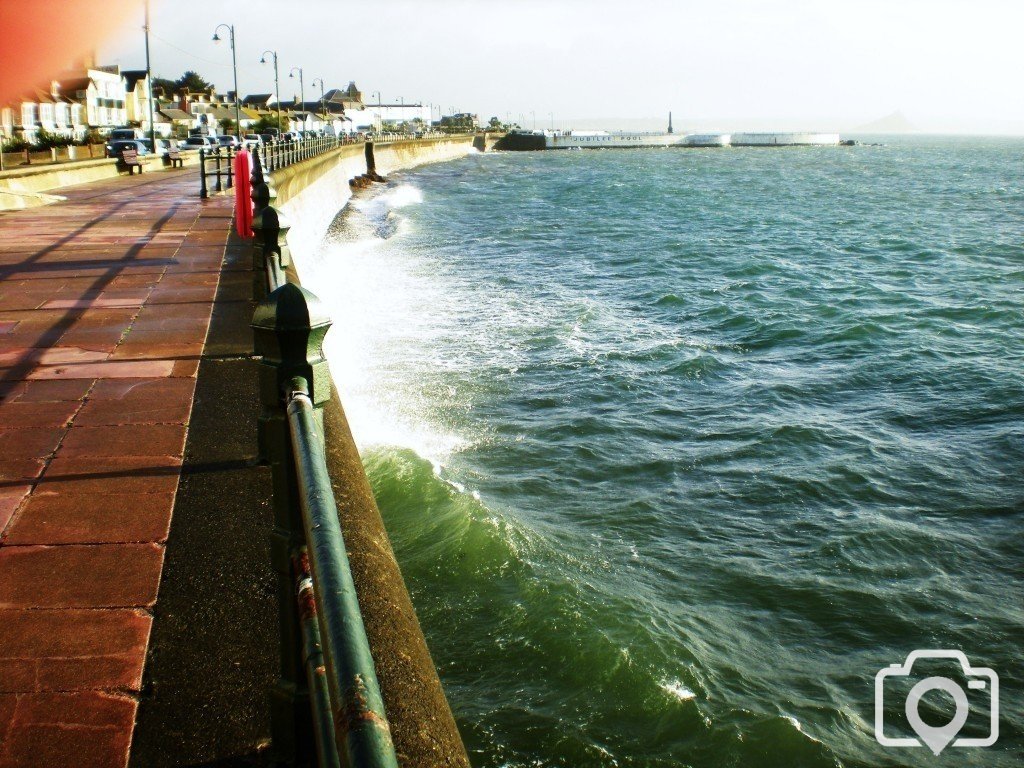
{"x": 45, "y": 38}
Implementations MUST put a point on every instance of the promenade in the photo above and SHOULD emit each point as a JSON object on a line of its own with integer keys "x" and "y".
{"x": 105, "y": 304}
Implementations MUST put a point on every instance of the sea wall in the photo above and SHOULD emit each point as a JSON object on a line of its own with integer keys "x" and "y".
{"x": 22, "y": 186}
{"x": 424, "y": 732}
{"x": 311, "y": 193}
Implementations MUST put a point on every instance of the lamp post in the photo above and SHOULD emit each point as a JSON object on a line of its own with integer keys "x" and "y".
{"x": 149, "y": 86}
{"x": 323, "y": 109}
{"x": 380, "y": 113}
{"x": 302, "y": 94}
{"x": 234, "y": 66}
{"x": 277, "y": 87}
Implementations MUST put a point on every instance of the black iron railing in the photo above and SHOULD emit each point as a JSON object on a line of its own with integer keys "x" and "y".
{"x": 278, "y": 154}
{"x": 326, "y": 705}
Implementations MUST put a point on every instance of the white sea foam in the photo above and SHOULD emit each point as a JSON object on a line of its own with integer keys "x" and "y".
{"x": 677, "y": 690}
{"x": 380, "y": 306}
{"x": 379, "y": 205}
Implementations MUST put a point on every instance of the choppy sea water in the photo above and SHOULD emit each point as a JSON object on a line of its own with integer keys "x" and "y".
{"x": 679, "y": 448}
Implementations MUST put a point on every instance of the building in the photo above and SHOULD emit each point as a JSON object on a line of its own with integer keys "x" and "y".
{"x": 103, "y": 94}
{"x": 43, "y": 111}
{"x": 179, "y": 121}
{"x": 377, "y": 117}
{"x": 349, "y": 99}
{"x": 137, "y": 106}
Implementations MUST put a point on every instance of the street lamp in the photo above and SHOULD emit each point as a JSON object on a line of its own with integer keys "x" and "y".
{"x": 302, "y": 93}
{"x": 380, "y": 111}
{"x": 323, "y": 109}
{"x": 277, "y": 88}
{"x": 234, "y": 66}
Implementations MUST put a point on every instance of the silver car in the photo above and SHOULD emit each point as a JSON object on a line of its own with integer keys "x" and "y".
{"x": 198, "y": 142}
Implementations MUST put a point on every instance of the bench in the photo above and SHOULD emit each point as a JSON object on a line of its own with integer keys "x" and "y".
{"x": 174, "y": 155}
{"x": 131, "y": 159}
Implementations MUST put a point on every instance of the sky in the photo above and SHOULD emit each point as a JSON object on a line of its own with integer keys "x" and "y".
{"x": 946, "y": 65}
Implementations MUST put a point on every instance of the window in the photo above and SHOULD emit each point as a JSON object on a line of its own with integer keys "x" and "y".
{"x": 28, "y": 114}
{"x": 46, "y": 113}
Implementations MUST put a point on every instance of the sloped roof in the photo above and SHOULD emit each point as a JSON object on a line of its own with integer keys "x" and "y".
{"x": 74, "y": 84}
{"x": 132, "y": 76}
{"x": 257, "y": 98}
{"x": 176, "y": 114}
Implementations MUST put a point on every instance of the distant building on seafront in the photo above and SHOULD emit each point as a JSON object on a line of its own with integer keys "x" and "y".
{"x": 92, "y": 99}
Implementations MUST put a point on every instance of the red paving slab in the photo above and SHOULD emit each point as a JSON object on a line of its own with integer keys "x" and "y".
{"x": 86, "y": 728}
{"x": 105, "y": 303}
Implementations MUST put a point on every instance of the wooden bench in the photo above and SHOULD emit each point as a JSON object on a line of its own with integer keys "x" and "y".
{"x": 174, "y": 155}
{"x": 131, "y": 159}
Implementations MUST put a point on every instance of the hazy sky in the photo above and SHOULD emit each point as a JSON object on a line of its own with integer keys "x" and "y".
{"x": 953, "y": 65}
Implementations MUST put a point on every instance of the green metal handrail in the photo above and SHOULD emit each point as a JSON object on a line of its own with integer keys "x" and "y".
{"x": 313, "y": 660}
{"x": 326, "y": 704}
{"x": 360, "y": 724}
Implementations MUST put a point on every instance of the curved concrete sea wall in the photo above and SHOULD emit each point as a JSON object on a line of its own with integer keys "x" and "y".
{"x": 422, "y": 726}
{"x": 311, "y": 193}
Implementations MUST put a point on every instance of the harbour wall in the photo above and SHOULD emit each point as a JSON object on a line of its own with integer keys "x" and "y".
{"x": 27, "y": 186}
{"x": 311, "y": 194}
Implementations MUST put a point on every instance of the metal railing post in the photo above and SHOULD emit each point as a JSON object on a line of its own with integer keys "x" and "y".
{"x": 216, "y": 170}
{"x": 288, "y": 331}
{"x": 231, "y": 169}
{"x": 271, "y": 256}
{"x": 203, "y": 192}
{"x": 263, "y": 195}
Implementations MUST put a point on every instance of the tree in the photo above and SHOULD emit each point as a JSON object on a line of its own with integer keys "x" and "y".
{"x": 192, "y": 82}
{"x": 164, "y": 84}
{"x": 268, "y": 121}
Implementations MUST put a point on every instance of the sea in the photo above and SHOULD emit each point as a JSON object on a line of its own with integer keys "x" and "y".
{"x": 679, "y": 449}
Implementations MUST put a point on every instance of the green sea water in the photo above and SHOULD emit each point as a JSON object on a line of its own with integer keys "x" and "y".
{"x": 678, "y": 448}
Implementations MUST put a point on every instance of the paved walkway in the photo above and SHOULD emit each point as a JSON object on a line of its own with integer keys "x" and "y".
{"x": 105, "y": 303}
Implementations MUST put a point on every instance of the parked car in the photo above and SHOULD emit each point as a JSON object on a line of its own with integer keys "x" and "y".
{"x": 252, "y": 140}
{"x": 162, "y": 145}
{"x": 123, "y": 134}
{"x": 198, "y": 142}
{"x": 115, "y": 148}
{"x": 268, "y": 138}
{"x": 227, "y": 141}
